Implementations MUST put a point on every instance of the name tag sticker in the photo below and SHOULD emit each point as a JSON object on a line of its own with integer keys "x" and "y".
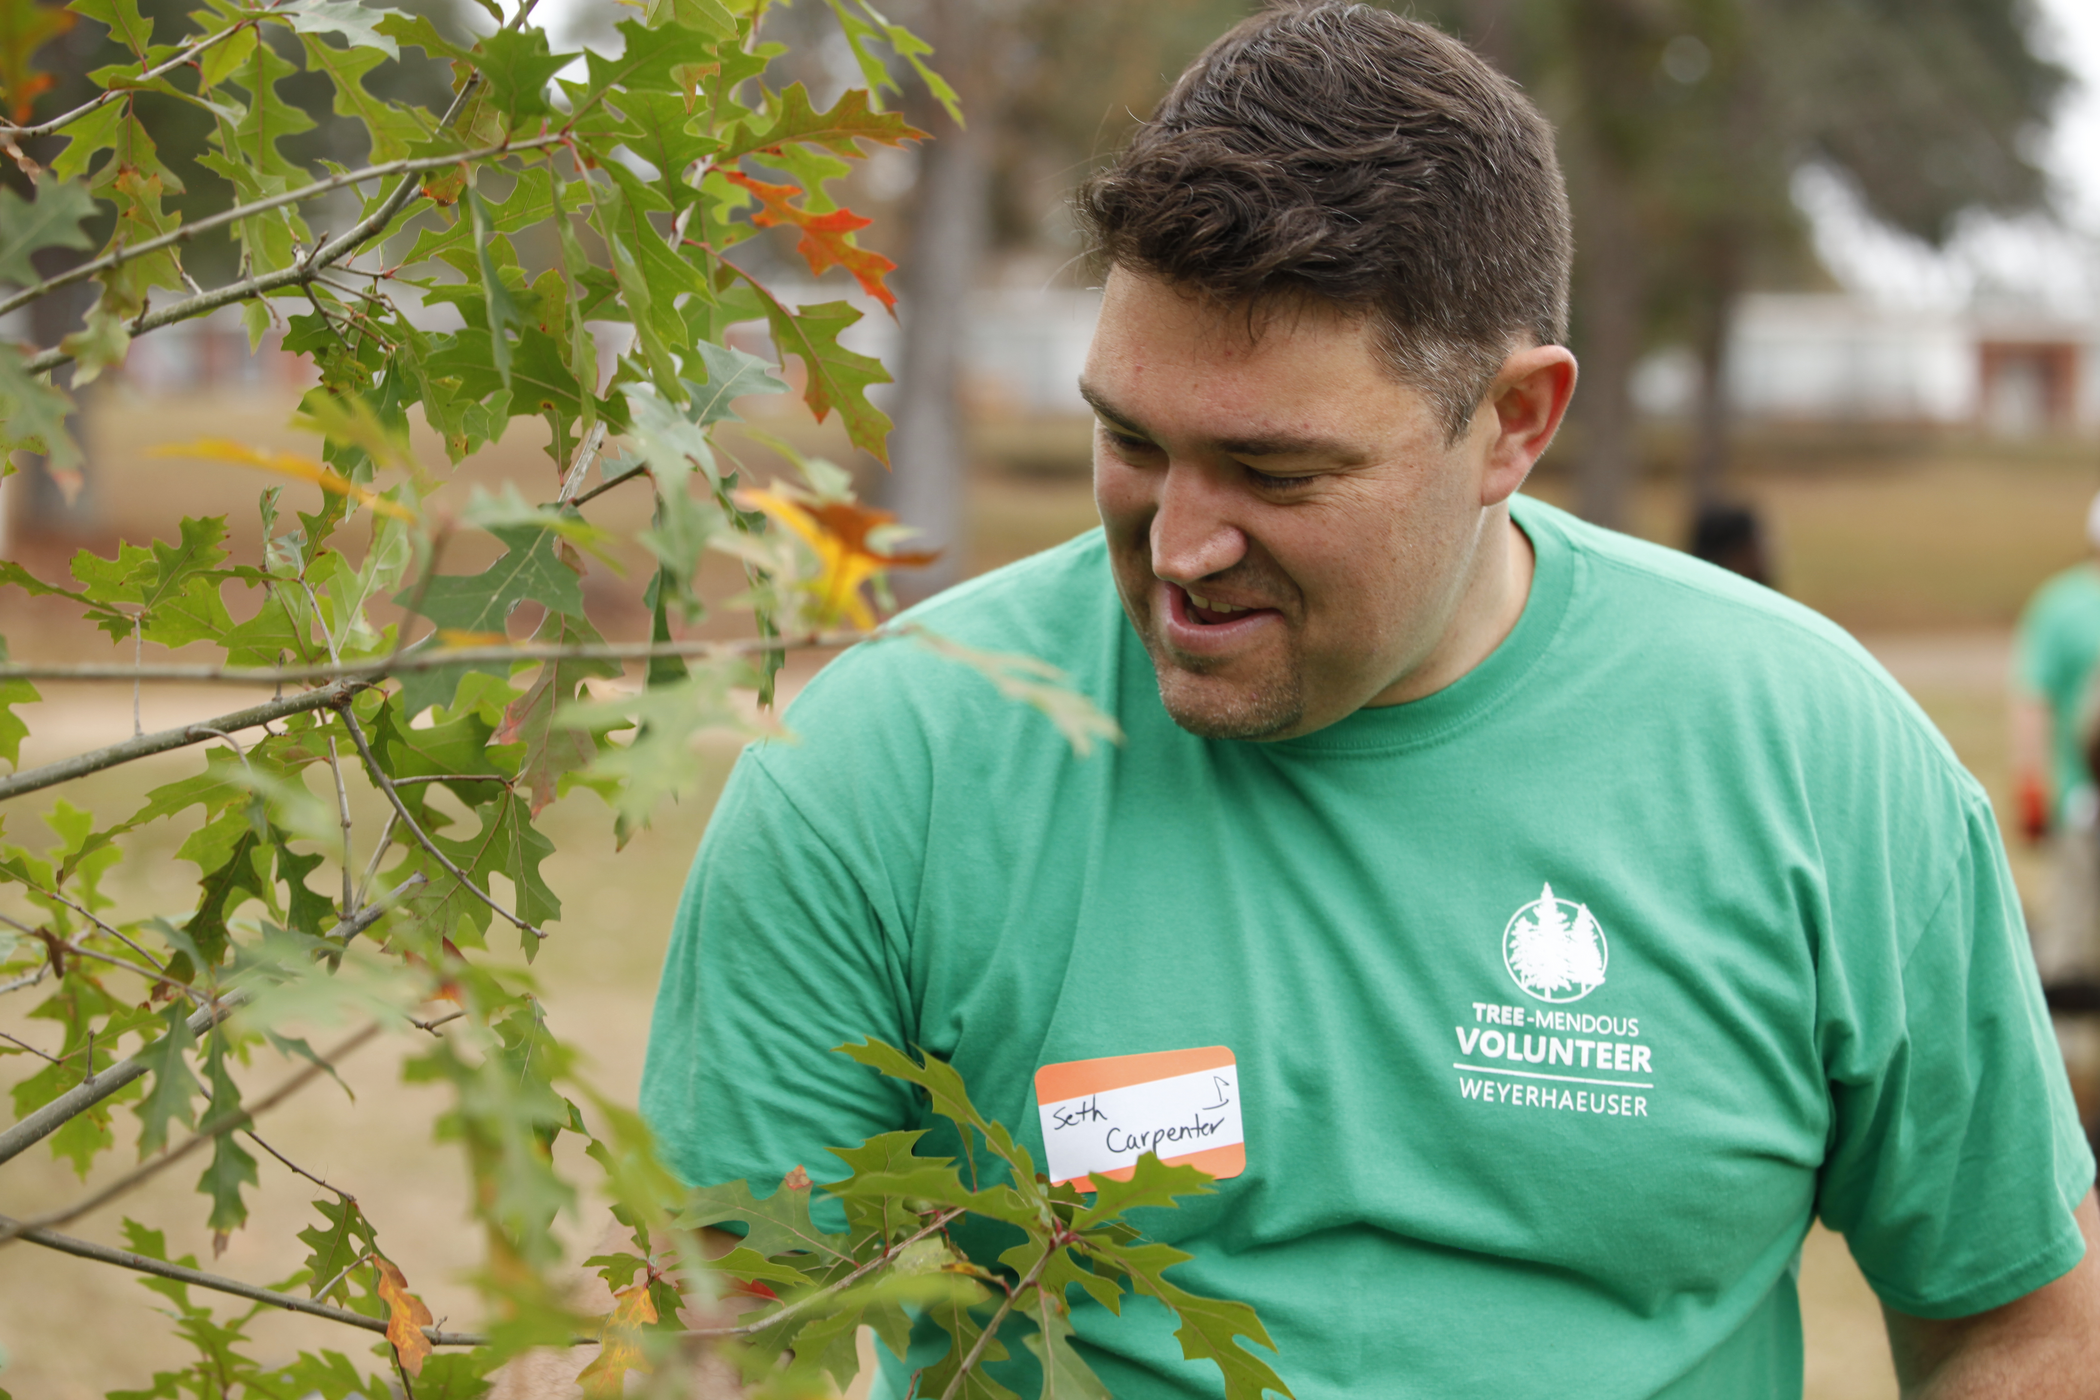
{"x": 1100, "y": 1116}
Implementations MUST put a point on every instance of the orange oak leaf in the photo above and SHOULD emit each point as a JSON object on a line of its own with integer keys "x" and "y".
{"x": 838, "y": 531}
{"x": 826, "y": 238}
{"x": 26, "y": 27}
{"x": 796, "y": 1179}
{"x": 620, "y": 1345}
{"x": 406, "y": 1317}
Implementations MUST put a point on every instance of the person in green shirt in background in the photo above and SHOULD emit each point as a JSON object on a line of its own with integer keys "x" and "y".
{"x": 2055, "y": 653}
{"x": 1532, "y": 930}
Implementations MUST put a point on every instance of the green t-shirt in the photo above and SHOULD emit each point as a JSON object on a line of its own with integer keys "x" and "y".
{"x": 2056, "y": 648}
{"x": 1776, "y": 902}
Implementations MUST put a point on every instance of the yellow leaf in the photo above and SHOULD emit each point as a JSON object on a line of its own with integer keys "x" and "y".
{"x": 620, "y": 1345}
{"x": 406, "y": 1317}
{"x": 454, "y": 637}
{"x": 838, "y": 531}
{"x": 289, "y": 464}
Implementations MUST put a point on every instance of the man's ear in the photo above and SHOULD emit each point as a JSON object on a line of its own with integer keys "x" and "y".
{"x": 1529, "y": 398}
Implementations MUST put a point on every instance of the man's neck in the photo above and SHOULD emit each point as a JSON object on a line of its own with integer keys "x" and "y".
{"x": 1487, "y": 612}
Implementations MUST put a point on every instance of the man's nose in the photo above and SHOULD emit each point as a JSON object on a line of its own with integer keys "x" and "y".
{"x": 1193, "y": 532}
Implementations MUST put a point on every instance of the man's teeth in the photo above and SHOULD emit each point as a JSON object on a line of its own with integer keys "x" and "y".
{"x": 1208, "y": 606}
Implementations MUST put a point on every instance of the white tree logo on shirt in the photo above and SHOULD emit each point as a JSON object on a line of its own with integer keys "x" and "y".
{"x": 1554, "y": 949}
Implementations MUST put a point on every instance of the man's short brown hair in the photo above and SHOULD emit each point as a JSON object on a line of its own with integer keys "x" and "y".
{"x": 1340, "y": 153}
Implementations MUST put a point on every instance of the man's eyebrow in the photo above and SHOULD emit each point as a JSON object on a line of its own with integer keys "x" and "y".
{"x": 1288, "y": 445}
{"x": 1101, "y": 406}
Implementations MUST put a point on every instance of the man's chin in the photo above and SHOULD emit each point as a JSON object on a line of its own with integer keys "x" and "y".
{"x": 1215, "y": 707}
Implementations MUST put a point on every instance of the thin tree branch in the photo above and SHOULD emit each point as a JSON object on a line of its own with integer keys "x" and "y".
{"x": 218, "y": 1283}
{"x": 604, "y": 486}
{"x": 342, "y": 803}
{"x": 95, "y": 1088}
{"x": 991, "y": 1329}
{"x": 295, "y": 1168}
{"x": 27, "y": 979}
{"x": 32, "y": 1049}
{"x": 436, "y": 1021}
{"x": 581, "y": 462}
{"x": 182, "y": 58}
{"x": 438, "y": 658}
{"x": 939, "y": 1223}
{"x": 65, "y": 770}
{"x": 240, "y": 1118}
{"x": 386, "y": 785}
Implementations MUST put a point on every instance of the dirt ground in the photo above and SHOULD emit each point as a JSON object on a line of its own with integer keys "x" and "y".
{"x": 1928, "y": 562}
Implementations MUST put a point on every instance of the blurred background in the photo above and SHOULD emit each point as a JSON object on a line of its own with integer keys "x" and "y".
{"x": 1837, "y": 309}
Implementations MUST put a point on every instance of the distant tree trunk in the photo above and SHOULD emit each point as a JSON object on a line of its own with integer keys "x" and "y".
{"x": 1712, "y": 413}
{"x": 944, "y": 253}
{"x": 1610, "y": 289}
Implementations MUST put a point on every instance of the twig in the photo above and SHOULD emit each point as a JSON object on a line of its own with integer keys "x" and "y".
{"x": 604, "y": 486}
{"x": 32, "y": 1049}
{"x": 386, "y": 834}
{"x": 292, "y": 1166}
{"x": 324, "y": 1290}
{"x": 218, "y": 1283}
{"x": 581, "y": 462}
{"x": 138, "y": 657}
{"x": 262, "y": 206}
{"x": 182, "y": 58}
{"x": 209, "y": 1133}
{"x": 150, "y": 974}
{"x": 991, "y": 1329}
{"x": 159, "y": 969}
{"x": 67, "y": 769}
{"x": 386, "y": 785}
{"x": 438, "y": 658}
{"x": 27, "y": 979}
{"x": 436, "y": 1021}
{"x": 939, "y": 1223}
{"x": 342, "y": 803}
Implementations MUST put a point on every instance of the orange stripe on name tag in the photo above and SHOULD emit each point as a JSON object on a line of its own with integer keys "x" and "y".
{"x": 1074, "y": 1078}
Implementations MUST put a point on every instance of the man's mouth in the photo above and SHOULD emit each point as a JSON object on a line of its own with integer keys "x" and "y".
{"x": 1204, "y": 611}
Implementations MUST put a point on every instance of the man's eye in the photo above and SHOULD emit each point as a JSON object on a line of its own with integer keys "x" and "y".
{"x": 1125, "y": 443}
{"x": 1278, "y": 483}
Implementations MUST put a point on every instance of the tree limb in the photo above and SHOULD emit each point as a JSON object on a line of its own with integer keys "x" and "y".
{"x": 181, "y": 59}
{"x": 240, "y": 1118}
{"x": 218, "y": 1283}
{"x": 991, "y": 1329}
{"x": 66, "y": 769}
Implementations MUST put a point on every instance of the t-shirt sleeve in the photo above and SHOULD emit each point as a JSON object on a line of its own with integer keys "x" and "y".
{"x": 1956, "y": 1157}
{"x": 777, "y": 955}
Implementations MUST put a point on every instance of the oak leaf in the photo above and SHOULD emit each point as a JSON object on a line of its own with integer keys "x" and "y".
{"x": 620, "y": 1345}
{"x": 838, "y": 531}
{"x": 827, "y": 238}
{"x": 406, "y": 1317}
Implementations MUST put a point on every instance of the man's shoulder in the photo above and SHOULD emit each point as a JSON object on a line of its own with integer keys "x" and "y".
{"x": 1674, "y": 599}
{"x": 1718, "y": 643}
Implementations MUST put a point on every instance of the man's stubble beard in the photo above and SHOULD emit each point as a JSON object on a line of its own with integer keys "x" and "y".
{"x": 1272, "y": 705}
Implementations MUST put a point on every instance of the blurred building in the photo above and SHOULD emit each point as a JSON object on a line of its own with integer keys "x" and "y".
{"x": 2008, "y": 371}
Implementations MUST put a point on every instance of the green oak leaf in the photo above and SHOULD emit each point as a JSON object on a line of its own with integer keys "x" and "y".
{"x": 13, "y": 729}
{"x": 508, "y": 845}
{"x": 553, "y": 748}
{"x": 530, "y": 570}
{"x": 168, "y": 1095}
{"x": 1066, "y": 1376}
{"x": 850, "y": 121}
{"x": 391, "y": 127}
{"x": 33, "y": 417}
{"x": 358, "y": 23}
{"x": 498, "y": 306}
{"x": 778, "y": 1225}
{"x": 731, "y": 374}
{"x": 518, "y": 68}
{"x": 659, "y": 125}
{"x": 838, "y": 378}
{"x": 126, "y": 24}
{"x": 52, "y": 220}
{"x": 1210, "y": 1327}
{"x": 344, "y": 1235}
{"x": 232, "y": 1167}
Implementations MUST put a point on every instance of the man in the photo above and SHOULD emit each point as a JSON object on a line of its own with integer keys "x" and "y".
{"x": 1550, "y": 924}
{"x": 2055, "y": 651}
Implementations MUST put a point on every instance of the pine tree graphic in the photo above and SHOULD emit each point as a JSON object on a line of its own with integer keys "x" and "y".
{"x": 1550, "y": 955}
